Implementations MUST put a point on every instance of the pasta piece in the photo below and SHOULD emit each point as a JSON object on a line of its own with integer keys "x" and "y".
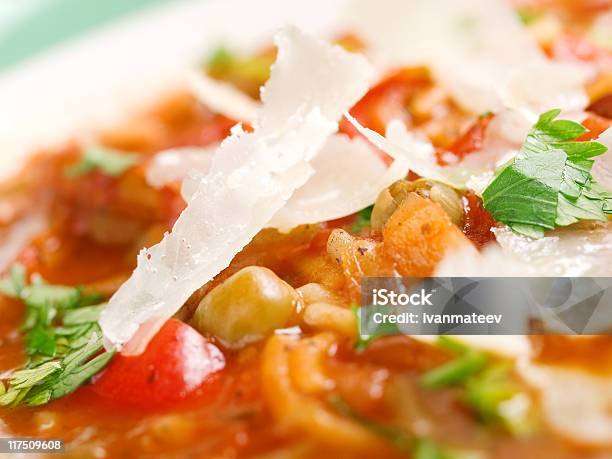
{"x": 325, "y": 316}
{"x": 307, "y": 364}
{"x": 302, "y": 412}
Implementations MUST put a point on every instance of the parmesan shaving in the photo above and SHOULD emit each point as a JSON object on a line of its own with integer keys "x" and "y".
{"x": 578, "y": 250}
{"x": 399, "y": 142}
{"x": 491, "y": 262}
{"x": 420, "y": 157}
{"x": 174, "y": 165}
{"x": 476, "y": 49}
{"x": 253, "y": 174}
{"x": 348, "y": 177}
{"x": 222, "y": 98}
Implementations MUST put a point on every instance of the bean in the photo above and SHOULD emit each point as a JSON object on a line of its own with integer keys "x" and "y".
{"x": 246, "y": 307}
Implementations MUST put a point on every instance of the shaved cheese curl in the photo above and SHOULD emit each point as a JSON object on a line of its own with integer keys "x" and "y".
{"x": 252, "y": 176}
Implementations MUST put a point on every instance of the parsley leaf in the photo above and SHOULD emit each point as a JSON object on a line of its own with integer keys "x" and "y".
{"x": 105, "y": 160}
{"x": 63, "y": 341}
{"x": 549, "y": 183}
{"x": 41, "y": 340}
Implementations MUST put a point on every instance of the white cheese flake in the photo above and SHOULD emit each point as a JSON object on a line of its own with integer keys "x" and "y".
{"x": 348, "y": 176}
{"x": 252, "y": 176}
{"x": 419, "y": 154}
{"x": 174, "y": 165}
{"x": 578, "y": 250}
{"x": 398, "y": 142}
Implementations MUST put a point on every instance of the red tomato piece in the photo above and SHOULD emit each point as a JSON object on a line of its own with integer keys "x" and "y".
{"x": 603, "y": 108}
{"x": 478, "y": 221}
{"x": 596, "y": 125}
{"x": 471, "y": 141}
{"x": 176, "y": 363}
{"x": 387, "y": 101}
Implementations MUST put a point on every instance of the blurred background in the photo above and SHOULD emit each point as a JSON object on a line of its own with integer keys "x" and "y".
{"x": 28, "y": 27}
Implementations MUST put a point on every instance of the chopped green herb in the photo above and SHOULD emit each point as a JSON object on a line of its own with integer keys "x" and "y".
{"x": 489, "y": 389}
{"x": 452, "y": 344}
{"x": 56, "y": 296}
{"x": 107, "y": 161}
{"x": 549, "y": 183}
{"x": 497, "y": 399}
{"x": 412, "y": 446}
{"x": 12, "y": 285}
{"x": 528, "y": 16}
{"x": 455, "y": 371}
{"x": 41, "y": 340}
{"x": 224, "y": 64}
{"x": 428, "y": 449}
{"x": 63, "y": 342}
{"x": 401, "y": 440}
{"x": 363, "y": 220}
{"x": 364, "y": 314}
{"x": 83, "y": 315}
{"x": 220, "y": 60}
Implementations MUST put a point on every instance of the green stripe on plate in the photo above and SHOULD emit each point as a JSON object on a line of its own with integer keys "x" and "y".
{"x": 46, "y": 23}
